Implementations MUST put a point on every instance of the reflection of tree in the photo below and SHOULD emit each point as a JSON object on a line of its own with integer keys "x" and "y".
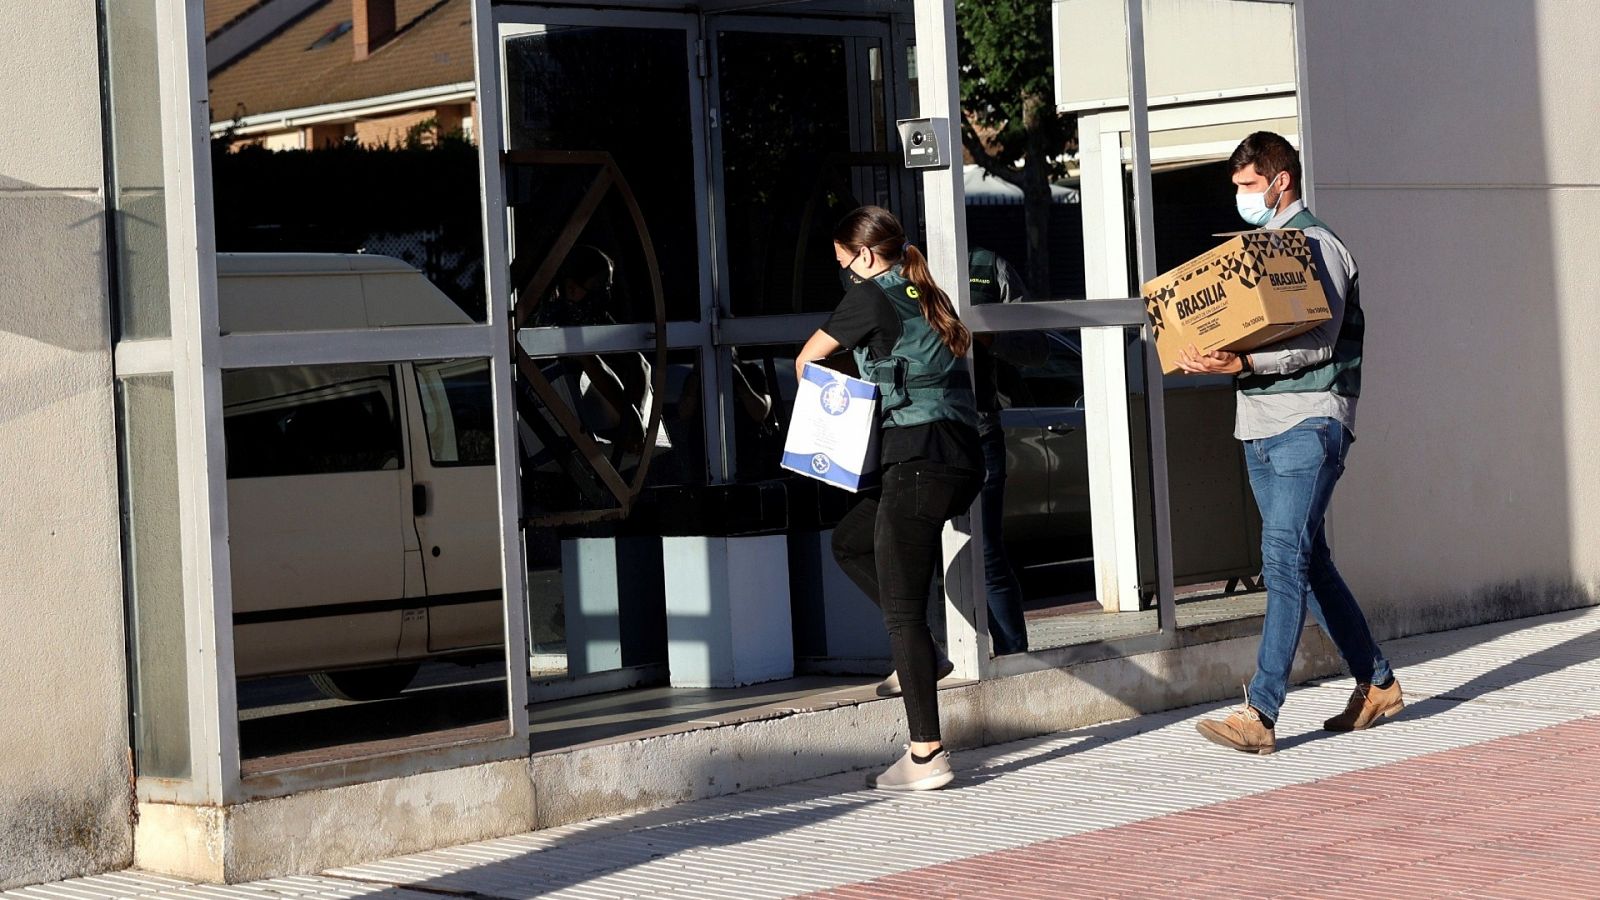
{"x": 1008, "y": 109}
{"x": 419, "y": 202}
{"x": 786, "y": 108}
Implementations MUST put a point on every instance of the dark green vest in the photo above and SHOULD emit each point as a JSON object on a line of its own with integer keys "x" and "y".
{"x": 1341, "y": 374}
{"x": 920, "y": 381}
{"x": 983, "y": 276}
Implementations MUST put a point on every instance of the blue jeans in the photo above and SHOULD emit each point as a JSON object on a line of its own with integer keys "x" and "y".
{"x": 1292, "y": 475}
{"x": 1007, "y": 628}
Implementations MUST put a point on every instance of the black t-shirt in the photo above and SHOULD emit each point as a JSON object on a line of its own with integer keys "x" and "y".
{"x": 866, "y": 318}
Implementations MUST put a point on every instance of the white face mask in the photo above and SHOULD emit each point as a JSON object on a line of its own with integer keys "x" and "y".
{"x": 1253, "y": 208}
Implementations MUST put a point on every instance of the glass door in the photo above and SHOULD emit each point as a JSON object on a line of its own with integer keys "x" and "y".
{"x": 802, "y": 113}
{"x": 802, "y": 117}
{"x": 610, "y": 279}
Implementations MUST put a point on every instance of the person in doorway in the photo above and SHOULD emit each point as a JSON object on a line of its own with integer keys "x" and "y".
{"x": 907, "y": 340}
{"x": 1296, "y": 411}
{"x": 611, "y": 392}
{"x": 991, "y": 279}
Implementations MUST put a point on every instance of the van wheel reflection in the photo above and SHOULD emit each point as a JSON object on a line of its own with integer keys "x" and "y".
{"x": 366, "y": 684}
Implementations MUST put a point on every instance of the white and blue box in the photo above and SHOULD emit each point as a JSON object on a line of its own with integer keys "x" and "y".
{"x": 833, "y": 434}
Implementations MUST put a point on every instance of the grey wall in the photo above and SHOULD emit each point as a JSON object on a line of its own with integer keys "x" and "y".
{"x": 1192, "y": 47}
{"x": 64, "y": 794}
{"x": 1454, "y": 149}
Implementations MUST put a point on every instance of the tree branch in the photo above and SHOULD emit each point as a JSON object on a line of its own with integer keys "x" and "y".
{"x": 987, "y": 162}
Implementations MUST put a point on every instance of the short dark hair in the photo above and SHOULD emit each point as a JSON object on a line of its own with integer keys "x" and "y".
{"x": 585, "y": 262}
{"x": 1270, "y": 154}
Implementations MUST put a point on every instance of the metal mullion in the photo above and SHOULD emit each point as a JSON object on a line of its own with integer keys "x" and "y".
{"x": 591, "y": 339}
{"x": 497, "y": 268}
{"x": 966, "y": 601}
{"x": 701, "y": 334}
{"x": 716, "y": 358}
{"x": 1055, "y": 314}
{"x": 902, "y": 35}
{"x": 722, "y": 298}
{"x": 312, "y": 348}
{"x": 197, "y": 400}
{"x": 1144, "y": 225}
{"x": 1302, "y": 98}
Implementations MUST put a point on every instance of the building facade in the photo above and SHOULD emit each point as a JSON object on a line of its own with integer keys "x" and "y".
{"x": 495, "y": 465}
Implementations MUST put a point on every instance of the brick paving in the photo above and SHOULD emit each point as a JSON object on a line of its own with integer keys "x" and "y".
{"x": 1487, "y": 786}
{"x": 1512, "y": 817}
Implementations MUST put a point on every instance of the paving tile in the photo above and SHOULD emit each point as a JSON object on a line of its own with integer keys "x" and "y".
{"x": 1488, "y": 785}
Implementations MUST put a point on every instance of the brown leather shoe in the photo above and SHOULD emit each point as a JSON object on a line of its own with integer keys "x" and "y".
{"x": 1242, "y": 730}
{"x": 1367, "y": 705}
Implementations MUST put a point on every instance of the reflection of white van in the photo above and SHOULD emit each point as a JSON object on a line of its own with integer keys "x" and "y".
{"x": 362, "y": 499}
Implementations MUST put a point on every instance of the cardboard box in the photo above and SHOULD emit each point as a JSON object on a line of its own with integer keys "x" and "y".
{"x": 1257, "y": 288}
{"x": 833, "y": 434}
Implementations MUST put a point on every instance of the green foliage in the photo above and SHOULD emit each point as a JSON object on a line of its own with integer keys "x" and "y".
{"x": 1007, "y": 87}
{"x": 428, "y": 134}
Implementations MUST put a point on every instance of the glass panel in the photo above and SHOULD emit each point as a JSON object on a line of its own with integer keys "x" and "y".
{"x": 763, "y": 401}
{"x": 361, "y": 562}
{"x": 312, "y": 421}
{"x": 782, "y": 197}
{"x": 458, "y": 410}
{"x": 1047, "y": 186}
{"x": 596, "y": 601}
{"x": 1052, "y": 191}
{"x": 138, "y": 200}
{"x": 314, "y": 155}
{"x": 154, "y": 563}
{"x": 1048, "y": 572}
{"x": 1048, "y": 204}
{"x": 1176, "y": 76}
{"x": 605, "y": 278}
{"x": 576, "y": 98}
{"x": 613, "y": 651}
{"x": 1200, "y": 109}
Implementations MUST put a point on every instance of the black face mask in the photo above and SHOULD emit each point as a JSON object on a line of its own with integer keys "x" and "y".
{"x": 848, "y": 278}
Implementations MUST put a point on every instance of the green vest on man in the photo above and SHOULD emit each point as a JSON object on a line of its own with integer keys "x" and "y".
{"x": 1341, "y": 373}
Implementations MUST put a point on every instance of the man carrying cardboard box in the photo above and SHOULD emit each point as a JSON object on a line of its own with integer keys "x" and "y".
{"x": 1296, "y": 411}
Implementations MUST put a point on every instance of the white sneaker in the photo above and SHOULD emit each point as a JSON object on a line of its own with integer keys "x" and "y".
{"x": 890, "y": 687}
{"x": 909, "y": 775}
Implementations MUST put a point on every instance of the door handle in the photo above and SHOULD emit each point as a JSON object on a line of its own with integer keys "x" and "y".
{"x": 1061, "y": 428}
{"x": 419, "y": 499}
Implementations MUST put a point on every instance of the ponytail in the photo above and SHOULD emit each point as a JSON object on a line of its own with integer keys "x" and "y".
{"x": 877, "y": 228}
{"x": 936, "y": 305}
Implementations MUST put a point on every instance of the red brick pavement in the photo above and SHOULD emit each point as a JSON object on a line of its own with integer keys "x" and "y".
{"x": 1517, "y": 817}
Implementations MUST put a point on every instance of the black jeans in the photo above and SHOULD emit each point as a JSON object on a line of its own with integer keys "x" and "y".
{"x": 888, "y": 544}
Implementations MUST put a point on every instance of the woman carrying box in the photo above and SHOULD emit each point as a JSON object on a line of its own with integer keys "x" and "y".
{"x": 906, "y": 339}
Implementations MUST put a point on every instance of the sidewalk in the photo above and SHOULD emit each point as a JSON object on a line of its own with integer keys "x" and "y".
{"x": 1488, "y": 785}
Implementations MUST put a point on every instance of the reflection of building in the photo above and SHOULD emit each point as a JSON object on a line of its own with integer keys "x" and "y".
{"x": 1457, "y": 178}
{"x": 307, "y": 73}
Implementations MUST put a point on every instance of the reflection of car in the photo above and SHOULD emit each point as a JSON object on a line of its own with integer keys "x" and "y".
{"x": 1213, "y": 517}
{"x": 363, "y": 502}
{"x": 1047, "y": 465}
